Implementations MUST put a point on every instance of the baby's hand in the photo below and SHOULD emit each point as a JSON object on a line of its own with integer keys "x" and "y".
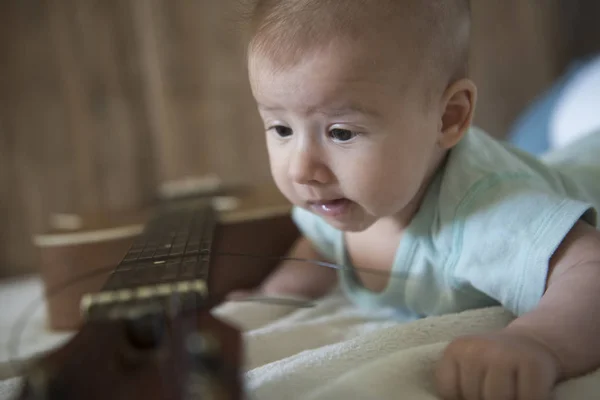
{"x": 500, "y": 366}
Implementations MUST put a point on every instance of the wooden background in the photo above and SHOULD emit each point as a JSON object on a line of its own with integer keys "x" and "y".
{"x": 101, "y": 101}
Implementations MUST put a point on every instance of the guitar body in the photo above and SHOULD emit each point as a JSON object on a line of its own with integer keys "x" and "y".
{"x": 73, "y": 265}
{"x": 269, "y": 235}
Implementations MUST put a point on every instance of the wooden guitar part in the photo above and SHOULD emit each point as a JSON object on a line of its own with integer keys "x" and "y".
{"x": 264, "y": 238}
{"x": 255, "y": 222}
{"x": 79, "y": 261}
{"x": 103, "y": 361}
{"x": 148, "y": 333}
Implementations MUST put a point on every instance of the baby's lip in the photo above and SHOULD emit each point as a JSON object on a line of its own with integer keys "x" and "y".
{"x": 334, "y": 208}
{"x": 326, "y": 201}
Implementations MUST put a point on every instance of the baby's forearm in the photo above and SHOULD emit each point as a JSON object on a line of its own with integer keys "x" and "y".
{"x": 301, "y": 278}
{"x": 567, "y": 320}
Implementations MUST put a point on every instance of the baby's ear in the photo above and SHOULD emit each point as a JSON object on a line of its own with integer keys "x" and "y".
{"x": 458, "y": 107}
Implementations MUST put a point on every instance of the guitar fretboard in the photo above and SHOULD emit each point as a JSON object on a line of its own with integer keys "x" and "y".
{"x": 168, "y": 261}
{"x": 174, "y": 247}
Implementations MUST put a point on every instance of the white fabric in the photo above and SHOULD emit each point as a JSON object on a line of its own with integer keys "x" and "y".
{"x": 20, "y": 298}
{"x": 332, "y": 351}
{"x": 8, "y": 388}
{"x": 577, "y": 112}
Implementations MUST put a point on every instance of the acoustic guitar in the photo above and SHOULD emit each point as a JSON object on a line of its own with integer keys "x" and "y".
{"x": 148, "y": 333}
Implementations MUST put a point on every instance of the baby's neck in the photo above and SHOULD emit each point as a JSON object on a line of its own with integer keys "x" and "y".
{"x": 402, "y": 219}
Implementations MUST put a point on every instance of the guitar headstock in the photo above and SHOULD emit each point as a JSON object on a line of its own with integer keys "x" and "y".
{"x": 148, "y": 355}
{"x": 148, "y": 333}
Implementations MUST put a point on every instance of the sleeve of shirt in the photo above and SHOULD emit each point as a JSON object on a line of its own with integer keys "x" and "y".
{"x": 505, "y": 232}
{"x": 323, "y": 236}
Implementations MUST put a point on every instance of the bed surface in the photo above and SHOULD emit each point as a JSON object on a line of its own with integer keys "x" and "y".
{"x": 330, "y": 351}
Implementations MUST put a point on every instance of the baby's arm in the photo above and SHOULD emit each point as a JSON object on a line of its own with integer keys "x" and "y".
{"x": 567, "y": 318}
{"x": 296, "y": 278}
{"x": 556, "y": 341}
{"x": 301, "y": 279}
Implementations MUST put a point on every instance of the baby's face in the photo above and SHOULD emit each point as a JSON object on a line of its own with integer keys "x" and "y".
{"x": 348, "y": 142}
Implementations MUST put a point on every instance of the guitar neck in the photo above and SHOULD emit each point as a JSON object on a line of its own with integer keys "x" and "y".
{"x": 170, "y": 258}
{"x": 138, "y": 341}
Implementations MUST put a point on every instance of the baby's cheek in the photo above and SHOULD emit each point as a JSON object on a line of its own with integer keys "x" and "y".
{"x": 278, "y": 165}
{"x": 283, "y": 184}
{"x": 389, "y": 194}
{"x": 279, "y": 177}
{"x": 374, "y": 192}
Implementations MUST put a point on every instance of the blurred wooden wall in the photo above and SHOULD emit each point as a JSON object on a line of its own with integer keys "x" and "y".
{"x": 518, "y": 50}
{"x": 104, "y": 100}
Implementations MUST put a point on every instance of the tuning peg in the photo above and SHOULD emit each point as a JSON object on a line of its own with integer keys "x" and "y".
{"x": 146, "y": 331}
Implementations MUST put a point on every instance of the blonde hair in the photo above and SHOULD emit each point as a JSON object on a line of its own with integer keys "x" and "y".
{"x": 435, "y": 33}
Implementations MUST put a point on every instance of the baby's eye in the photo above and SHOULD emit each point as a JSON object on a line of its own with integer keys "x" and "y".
{"x": 342, "y": 135}
{"x": 282, "y": 131}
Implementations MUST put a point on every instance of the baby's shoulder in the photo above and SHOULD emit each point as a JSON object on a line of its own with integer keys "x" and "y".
{"x": 481, "y": 169}
{"x": 489, "y": 193}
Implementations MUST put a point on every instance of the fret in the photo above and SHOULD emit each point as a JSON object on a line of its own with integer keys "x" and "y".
{"x": 123, "y": 303}
{"x": 171, "y": 255}
{"x": 171, "y": 271}
{"x": 179, "y": 235}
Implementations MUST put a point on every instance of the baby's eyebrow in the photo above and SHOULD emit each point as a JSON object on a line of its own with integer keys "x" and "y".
{"x": 345, "y": 109}
{"x": 267, "y": 108}
{"x": 334, "y": 111}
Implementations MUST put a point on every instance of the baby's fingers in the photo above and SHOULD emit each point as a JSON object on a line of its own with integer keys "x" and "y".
{"x": 447, "y": 377}
{"x": 517, "y": 382}
{"x": 468, "y": 378}
{"x": 472, "y": 375}
{"x": 500, "y": 383}
{"x": 535, "y": 382}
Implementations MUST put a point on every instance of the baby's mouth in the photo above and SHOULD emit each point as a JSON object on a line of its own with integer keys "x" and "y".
{"x": 330, "y": 208}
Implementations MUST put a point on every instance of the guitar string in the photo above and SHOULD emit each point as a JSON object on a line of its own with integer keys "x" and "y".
{"x": 18, "y": 328}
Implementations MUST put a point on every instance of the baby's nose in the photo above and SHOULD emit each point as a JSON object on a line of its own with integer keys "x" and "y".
{"x": 306, "y": 167}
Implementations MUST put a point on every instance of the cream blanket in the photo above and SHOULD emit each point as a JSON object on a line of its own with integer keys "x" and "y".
{"x": 334, "y": 351}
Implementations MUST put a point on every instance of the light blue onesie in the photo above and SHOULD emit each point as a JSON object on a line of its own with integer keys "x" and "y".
{"x": 490, "y": 221}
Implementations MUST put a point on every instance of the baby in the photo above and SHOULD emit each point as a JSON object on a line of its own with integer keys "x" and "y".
{"x": 367, "y": 108}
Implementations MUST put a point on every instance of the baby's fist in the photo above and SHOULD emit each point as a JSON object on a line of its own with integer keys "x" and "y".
{"x": 500, "y": 366}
